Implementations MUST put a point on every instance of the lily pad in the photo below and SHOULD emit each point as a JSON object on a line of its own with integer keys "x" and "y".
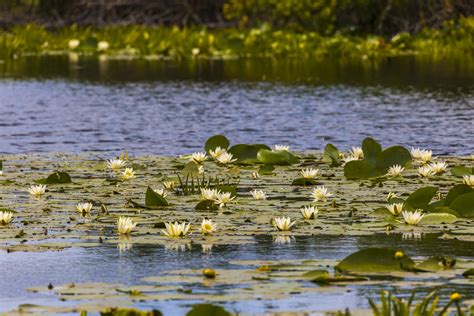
{"x": 461, "y": 171}
{"x": 304, "y": 181}
{"x": 437, "y": 263}
{"x": 439, "y": 218}
{"x": 216, "y": 141}
{"x": 420, "y": 199}
{"x": 456, "y": 191}
{"x": 247, "y": 154}
{"x": 153, "y": 199}
{"x": 371, "y": 149}
{"x": 375, "y": 260}
{"x": 279, "y": 157}
{"x": 207, "y": 310}
{"x": 58, "y": 177}
{"x": 464, "y": 205}
{"x": 331, "y": 154}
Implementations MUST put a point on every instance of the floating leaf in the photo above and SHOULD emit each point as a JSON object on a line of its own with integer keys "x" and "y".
{"x": 216, "y": 141}
{"x": 437, "y": 263}
{"x": 207, "y": 310}
{"x": 207, "y": 205}
{"x": 375, "y": 260}
{"x": 464, "y": 205}
{"x": 371, "y": 149}
{"x": 153, "y": 199}
{"x": 360, "y": 169}
{"x": 246, "y": 154}
{"x": 438, "y": 218}
{"x": 58, "y": 177}
{"x": 396, "y": 155}
{"x": 420, "y": 199}
{"x": 456, "y": 191}
{"x": 461, "y": 171}
{"x": 279, "y": 157}
{"x": 468, "y": 273}
{"x": 266, "y": 169}
{"x": 304, "y": 181}
{"x": 331, "y": 154}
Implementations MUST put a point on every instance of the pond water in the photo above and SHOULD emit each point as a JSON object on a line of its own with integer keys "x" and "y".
{"x": 73, "y": 104}
{"x": 79, "y": 104}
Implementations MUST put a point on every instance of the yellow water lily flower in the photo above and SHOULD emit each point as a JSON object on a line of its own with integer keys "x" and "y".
{"x": 224, "y": 198}
{"x": 6, "y": 217}
{"x": 282, "y": 147}
{"x": 259, "y": 195}
{"x": 395, "y": 208}
{"x": 128, "y": 174}
{"x": 309, "y": 212}
{"x": 169, "y": 185}
{"x": 309, "y": 173}
{"x": 395, "y": 171}
{"x": 176, "y": 229}
{"x": 199, "y": 157}
{"x": 125, "y": 225}
{"x": 283, "y": 223}
{"x": 357, "y": 152}
{"x": 468, "y": 179}
{"x": 412, "y": 218}
{"x": 116, "y": 164}
{"x": 320, "y": 193}
{"x": 84, "y": 208}
{"x": 217, "y": 152}
{"x": 225, "y": 158}
{"x": 425, "y": 171}
{"x": 37, "y": 190}
{"x": 208, "y": 227}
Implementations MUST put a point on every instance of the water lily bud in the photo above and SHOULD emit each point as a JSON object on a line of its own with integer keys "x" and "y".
{"x": 399, "y": 254}
{"x": 209, "y": 273}
{"x": 455, "y": 297}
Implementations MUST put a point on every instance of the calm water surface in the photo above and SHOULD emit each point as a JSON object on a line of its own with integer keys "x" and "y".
{"x": 76, "y": 104}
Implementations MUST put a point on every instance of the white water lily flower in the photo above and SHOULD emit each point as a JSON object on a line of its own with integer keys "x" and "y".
{"x": 348, "y": 158}
{"x": 391, "y": 195}
{"x": 439, "y": 167}
{"x": 225, "y": 158}
{"x": 415, "y": 153}
{"x": 209, "y": 194}
{"x": 74, "y": 43}
{"x": 320, "y": 193}
{"x": 224, "y": 198}
{"x": 128, "y": 174}
{"x": 208, "y": 227}
{"x": 115, "y": 164}
{"x": 216, "y": 153}
{"x": 201, "y": 169}
{"x": 309, "y": 173}
{"x": 357, "y": 152}
{"x": 169, "y": 185}
{"x": 309, "y": 212}
{"x": 259, "y": 195}
{"x": 1, "y": 172}
{"x": 161, "y": 192}
{"x": 425, "y": 171}
{"x": 176, "y": 229}
{"x": 125, "y": 225}
{"x": 6, "y": 217}
{"x": 395, "y": 171}
{"x": 395, "y": 208}
{"x": 282, "y": 147}
{"x": 84, "y": 208}
{"x": 468, "y": 179}
{"x": 412, "y": 218}
{"x": 37, "y": 190}
{"x": 283, "y": 223}
{"x": 199, "y": 157}
{"x": 426, "y": 156}
{"x": 103, "y": 45}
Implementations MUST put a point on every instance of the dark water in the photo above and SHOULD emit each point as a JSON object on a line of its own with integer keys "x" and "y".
{"x": 75, "y": 104}
{"x": 107, "y": 264}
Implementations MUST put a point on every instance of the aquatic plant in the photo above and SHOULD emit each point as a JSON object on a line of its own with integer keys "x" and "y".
{"x": 412, "y": 218}
{"x": 283, "y": 223}
{"x": 176, "y": 229}
{"x": 309, "y": 212}
{"x": 125, "y": 225}
{"x": 37, "y": 190}
{"x": 320, "y": 193}
{"x": 84, "y": 208}
{"x": 208, "y": 227}
{"x": 116, "y": 164}
{"x": 128, "y": 174}
{"x": 6, "y": 217}
{"x": 258, "y": 194}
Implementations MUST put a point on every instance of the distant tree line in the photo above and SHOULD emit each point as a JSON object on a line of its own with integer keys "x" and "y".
{"x": 325, "y": 16}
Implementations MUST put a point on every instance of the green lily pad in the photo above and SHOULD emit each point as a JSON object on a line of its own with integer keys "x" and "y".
{"x": 457, "y": 191}
{"x": 246, "y": 154}
{"x": 396, "y": 155}
{"x": 468, "y": 273}
{"x": 153, "y": 199}
{"x": 58, "y": 177}
{"x": 438, "y": 218}
{"x": 216, "y": 141}
{"x": 331, "y": 155}
{"x": 375, "y": 260}
{"x": 461, "y": 171}
{"x": 437, "y": 263}
{"x": 279, "y": 157}
{"x": 207, "y": 310}
{"x": 361, "y": 169}
{"x": 207, "y": 205}
{"x": 420, "y": 199}
{"x": 371, "y": 149}
{"x": 304, "y": 181}
{"x": 464, "y": 205}
{"x": 266, "y": 169}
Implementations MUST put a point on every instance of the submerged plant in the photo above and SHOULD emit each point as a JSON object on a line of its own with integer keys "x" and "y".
{"x": 37, "y": 190}
{"x": 125, "y": 225}
{"x": 283, "y": 223}
{"x": 176, "y": 229}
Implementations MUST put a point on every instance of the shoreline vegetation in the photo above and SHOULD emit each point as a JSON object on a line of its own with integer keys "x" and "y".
{"x": 453, "y": 39}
